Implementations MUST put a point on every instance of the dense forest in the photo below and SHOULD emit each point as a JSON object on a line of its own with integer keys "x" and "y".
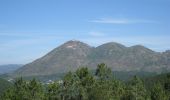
{"x": 4, "y": 85}
{"x": 84, "y": 85}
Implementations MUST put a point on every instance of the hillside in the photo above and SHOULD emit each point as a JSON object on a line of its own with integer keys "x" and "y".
{"x": 74, "y": 54}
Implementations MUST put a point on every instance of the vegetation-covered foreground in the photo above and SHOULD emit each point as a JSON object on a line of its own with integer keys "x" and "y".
{"x": 83, "y": 85}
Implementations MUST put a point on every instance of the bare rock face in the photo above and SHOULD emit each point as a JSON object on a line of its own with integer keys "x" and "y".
{"x": 74, "y": 54}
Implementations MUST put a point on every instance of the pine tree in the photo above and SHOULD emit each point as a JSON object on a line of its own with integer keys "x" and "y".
{"x": 54, "y": 91}
{"x": 158, "y": 93}
{"x": 103, "y": 72}
{"x": 35, "y": 90}
{"x": 24, "y": 90}
{"x": 136, "y": 90}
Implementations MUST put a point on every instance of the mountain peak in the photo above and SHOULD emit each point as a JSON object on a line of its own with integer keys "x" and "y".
{"x": 74, "y": 44}
{"x": 73, "y": 41}
{"x": 115, "y": 44}
{"x": 140, "y": 48}
{"x": 112, "y": 45}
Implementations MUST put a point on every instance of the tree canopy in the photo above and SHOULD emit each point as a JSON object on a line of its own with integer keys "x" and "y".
{"x": 85, "y": 85}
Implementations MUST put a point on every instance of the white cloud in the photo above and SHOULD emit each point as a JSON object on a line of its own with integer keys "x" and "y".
{"x": 121, "y": 21}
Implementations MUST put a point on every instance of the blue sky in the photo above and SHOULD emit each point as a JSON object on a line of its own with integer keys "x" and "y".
{"x": 31, "y": 28}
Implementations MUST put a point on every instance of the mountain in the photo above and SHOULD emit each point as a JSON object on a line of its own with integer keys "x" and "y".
{"x": 74, "y": 54}
{"x": 68, "y": 56}
{"x": 9, "y": 68}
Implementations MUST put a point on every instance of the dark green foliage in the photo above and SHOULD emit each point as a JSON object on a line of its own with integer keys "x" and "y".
{"x": 4, "y": 85}
{"x": 158, "y": 92}
{"x": 103, "y": 72}
{"x": 84, "y": 85}
{"x": 53, "y": 91}
{"x": 136, "y": 90}
{"x": 24, "y": 90}
{"x": 35, "y": 89}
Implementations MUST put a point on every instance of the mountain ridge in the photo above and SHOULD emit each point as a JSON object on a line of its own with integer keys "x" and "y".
{"x": 74, "y": 54}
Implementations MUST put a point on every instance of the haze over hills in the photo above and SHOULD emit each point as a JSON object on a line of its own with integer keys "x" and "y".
{"x": 74, "y": 54}
{"x": 9, "y": 68}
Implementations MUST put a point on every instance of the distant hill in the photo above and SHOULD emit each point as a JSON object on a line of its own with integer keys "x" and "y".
{"x": 74, "y": 54}
{"x": 9, "y": 68}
